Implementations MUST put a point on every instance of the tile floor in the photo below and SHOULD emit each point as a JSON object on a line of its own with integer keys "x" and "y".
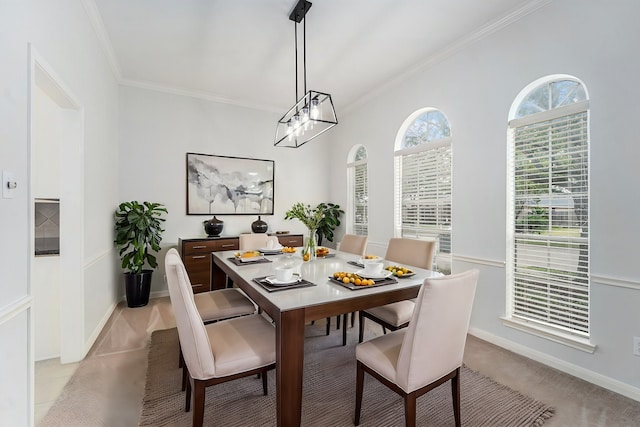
{"x": 50, "y": 378}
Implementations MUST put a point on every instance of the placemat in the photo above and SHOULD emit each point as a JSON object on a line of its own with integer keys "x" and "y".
{"x": 301, "y": 284}
{"x": 378, "y": 282}
{"x": 258, "y": 261}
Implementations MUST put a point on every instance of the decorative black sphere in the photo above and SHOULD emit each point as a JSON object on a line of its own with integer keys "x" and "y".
{"x": 259, "y": 226}
{"x": 213, "y": 227}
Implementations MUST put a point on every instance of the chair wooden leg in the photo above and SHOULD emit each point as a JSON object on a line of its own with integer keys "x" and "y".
{"x": 455, "y": 394}
{"x": 198, "y": 403}
{"x": 384, "y": 330}
{"x": 353, "y": 319}
{"x": 338, "y": 322}
{"x": 264, "y": 383}
{"x": 359, "y": 387}
{"x": 361, "y": 326}
{"x": 344, "y": 329}
{"x": 180, "y": 358}
{"x": 410, "y": 410}
{"x": 328, "y": 325}
{"x": 184, "y": 377}
{"x": 187, "y": 397}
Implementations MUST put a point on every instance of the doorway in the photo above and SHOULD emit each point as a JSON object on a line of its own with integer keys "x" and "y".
{"x": 56, "y": 162}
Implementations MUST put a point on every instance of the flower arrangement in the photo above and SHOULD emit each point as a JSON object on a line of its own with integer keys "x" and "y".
{"x": 311, "y": 218}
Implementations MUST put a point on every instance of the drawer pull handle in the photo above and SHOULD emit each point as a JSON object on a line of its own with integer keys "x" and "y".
{"x": 198, "y": 247}
{"x": 228, "y": 245}
{"x": 198, "y": 256}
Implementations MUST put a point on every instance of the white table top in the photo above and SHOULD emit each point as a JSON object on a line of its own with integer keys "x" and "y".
{"x": 318, "y": 272}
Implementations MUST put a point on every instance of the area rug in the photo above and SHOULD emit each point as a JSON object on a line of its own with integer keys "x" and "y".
{"x": 328, "y": 395}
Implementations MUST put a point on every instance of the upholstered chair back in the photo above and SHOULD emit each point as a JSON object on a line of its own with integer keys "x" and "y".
{"x": 354, "y": 244}
{"x": 194, "y": 341}
{"x": 434, "y": 342}
{"x": 418, "y": 253}
{"x": 254, "y": 241}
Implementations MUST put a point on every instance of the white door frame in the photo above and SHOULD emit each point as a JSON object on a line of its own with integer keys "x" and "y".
{"x": 72, "y": 301}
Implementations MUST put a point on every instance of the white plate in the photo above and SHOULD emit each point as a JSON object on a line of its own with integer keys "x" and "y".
{"x": 383, "y": 274}
{"x": 271, "y": 250}
{"x": 365, "y": 260}
{"x": 275, "y": 282}
{"x": 250, "y": 259}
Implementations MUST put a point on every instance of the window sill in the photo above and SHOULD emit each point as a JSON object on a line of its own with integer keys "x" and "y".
{"x": 555, "y": 336}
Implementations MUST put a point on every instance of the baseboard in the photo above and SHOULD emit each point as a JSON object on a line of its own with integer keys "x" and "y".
{"x": 577, "y": 371}
{"x": 159, "y": 294}
{"x": 99, "y": 327}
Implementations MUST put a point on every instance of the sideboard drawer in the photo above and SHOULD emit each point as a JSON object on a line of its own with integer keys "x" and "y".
{"x": 292, "y": 240}
{"x": 208, "y": 246}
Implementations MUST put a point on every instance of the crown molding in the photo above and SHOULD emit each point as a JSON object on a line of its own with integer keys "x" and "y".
{"x": 509, "y": 18}
{"x": 207, "y": 96}
{"x": 103, "y": 38}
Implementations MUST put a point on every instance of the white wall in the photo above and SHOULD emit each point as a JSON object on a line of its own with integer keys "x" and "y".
{"x": 61, "y": 33}
{"x": 475, "y": 87}
{"x": 158, "y": 129}
{"x": 15, "y": 317}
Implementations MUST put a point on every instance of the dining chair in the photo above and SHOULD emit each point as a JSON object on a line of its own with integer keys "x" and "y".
{"x": 217, "y": 352}
{"x": 218, "y": 305}
{"x": 417, "y": 253}
{"x": 353, "y": 244}
{"x": 255, "y": 241}
{"x": 429, "y": 352}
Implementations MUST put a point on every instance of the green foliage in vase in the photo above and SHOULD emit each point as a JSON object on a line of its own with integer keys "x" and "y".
{"x": 138, "y": 232}
{"x": 310, "y": 217}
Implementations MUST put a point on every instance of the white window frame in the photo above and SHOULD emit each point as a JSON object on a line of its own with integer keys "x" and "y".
{"x": 353, "y": 166}
{"x": 558, "y": 326}
{"x": 442, "y": 260}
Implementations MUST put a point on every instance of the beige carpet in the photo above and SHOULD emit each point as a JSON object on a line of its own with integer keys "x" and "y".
{"x": 328, "y": 400}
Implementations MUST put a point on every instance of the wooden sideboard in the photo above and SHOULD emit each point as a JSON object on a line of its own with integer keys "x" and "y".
{"x": 196, "y": 255}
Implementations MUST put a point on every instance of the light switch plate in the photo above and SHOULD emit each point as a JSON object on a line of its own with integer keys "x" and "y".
{"x": 8, "y": 180}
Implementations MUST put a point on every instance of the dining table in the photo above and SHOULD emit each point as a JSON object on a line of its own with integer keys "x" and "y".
{"x": 292, "y": 307}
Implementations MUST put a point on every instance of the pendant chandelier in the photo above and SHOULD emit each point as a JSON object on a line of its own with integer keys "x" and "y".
{"x": 313, "y": 114}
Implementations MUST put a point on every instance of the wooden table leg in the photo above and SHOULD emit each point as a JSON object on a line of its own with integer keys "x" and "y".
{"x": 289, "y": 367}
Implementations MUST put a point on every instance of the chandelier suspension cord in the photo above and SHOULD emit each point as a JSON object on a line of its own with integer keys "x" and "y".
{"x": 295, "y": 29}
{"x": 304, "y": 52}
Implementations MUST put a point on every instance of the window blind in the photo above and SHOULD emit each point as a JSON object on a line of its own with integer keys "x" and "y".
{"x": 425, "y": 196}
{"x": 550, "y": 220}
{"x": 360, "y": 199}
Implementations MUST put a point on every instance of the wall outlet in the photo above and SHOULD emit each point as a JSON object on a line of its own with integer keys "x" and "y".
{"x": 636, "y": 346}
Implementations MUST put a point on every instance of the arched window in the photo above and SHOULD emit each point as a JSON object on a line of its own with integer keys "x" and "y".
{"x": 358, "y": 221}
{"x": 548, "y": 209}
{"x": 423, "y": 182}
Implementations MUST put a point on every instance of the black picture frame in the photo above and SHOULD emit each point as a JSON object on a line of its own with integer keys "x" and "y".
{"x": 223, "y": 185}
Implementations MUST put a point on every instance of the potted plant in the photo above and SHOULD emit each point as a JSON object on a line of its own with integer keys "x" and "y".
{"x": 329, "y": 222}
{"x": 138, "y": 234}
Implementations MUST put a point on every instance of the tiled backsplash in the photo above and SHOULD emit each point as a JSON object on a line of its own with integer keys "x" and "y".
{"x": 47, "y": 226}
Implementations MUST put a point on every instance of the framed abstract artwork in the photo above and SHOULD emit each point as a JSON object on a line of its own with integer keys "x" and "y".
{"x": 221, "y": 185}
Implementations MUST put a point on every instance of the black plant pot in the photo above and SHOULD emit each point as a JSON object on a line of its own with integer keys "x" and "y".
{"x": 137, "y": 288}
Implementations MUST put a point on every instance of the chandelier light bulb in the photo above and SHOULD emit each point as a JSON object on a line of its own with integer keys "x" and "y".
{"x": 315, "y": 109}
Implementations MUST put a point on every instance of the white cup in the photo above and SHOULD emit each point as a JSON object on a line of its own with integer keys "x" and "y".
{"x": 270, "y": 244}
{"x": 284, "y": 274}
{"x": 373, "y": 267}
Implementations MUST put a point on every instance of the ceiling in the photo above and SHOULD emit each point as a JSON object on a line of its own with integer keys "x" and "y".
{"x": 242, "y": 51}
